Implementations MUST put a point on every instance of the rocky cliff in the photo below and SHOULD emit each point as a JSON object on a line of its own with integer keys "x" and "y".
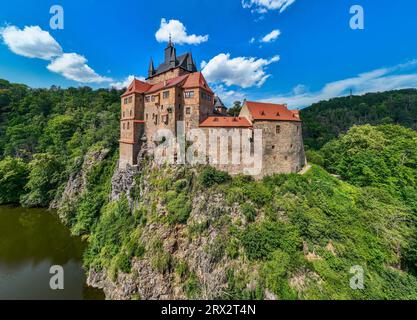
{"x": 181, "y": 261}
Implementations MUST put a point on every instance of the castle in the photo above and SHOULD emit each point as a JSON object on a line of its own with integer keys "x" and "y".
{"x": 176, "y": 92}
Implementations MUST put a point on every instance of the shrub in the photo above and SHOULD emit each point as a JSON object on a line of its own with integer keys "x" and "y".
{"x": 192, "y": 286}
{"x": 182, "y": 269}
{"x": 261, "y": 239}
{"x": 180, "y": 185}
{"x": 232, "y": 249}
{"x": 249, "y": 212}
{"x": 275, "y": 275}
{"x": 179, "y": 209}
{"x": 210, "y": 177}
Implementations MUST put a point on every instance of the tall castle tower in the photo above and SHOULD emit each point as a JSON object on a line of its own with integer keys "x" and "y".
{"x": 162, "y": 95}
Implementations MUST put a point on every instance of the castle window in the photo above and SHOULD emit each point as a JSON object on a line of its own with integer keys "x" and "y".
{"x": 165, "y": 94}
{"x": 153, "y": 98}
{"x": 124, "y": 126}
{"x": 130, "y": 99}
{"x": 124, "y": 114}
{"x": 147, "y": 117}
{"x": 128, "y": 125}
{"x": 278, "y": 129}
{"x": 273, "y": 147}
{"x": 130, "y": 112}
{"x": 148, "y": 99}
{"x": 188, "y": 110}
{"x": 189, "y": 94}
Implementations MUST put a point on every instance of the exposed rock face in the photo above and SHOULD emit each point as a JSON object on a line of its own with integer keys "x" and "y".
{"x": 201, "y": 251}
{"x": 123, "y": 181}
{"x": 77, "y": 182}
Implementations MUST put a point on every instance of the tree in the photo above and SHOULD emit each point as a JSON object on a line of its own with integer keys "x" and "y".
{"x": 13, "y": 177}
{"x": 44, "y": 178}
{"x": 235, "y": 110}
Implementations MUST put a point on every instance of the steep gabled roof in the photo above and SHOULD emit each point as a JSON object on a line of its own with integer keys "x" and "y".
{"x": 269, "y": 111}
{"x": 184, "y": 61}
{"x": 137, "y": 86}
{"x": 187, "y": 81}
{"x": 196, "y": 80}
{"x": 226, "y": 122}
{"x": 167, "y": 84}
{"x": 218, "y": 103}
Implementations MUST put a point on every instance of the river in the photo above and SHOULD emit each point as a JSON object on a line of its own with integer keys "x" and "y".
{"x": 31, "y": 241}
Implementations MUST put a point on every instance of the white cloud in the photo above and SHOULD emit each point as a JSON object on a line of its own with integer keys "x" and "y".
{"x": 262, "y": 6}
{"x": 272, "y": 36}
{"x": 378, "y": 80}
{"x": 31, "y": 42}
{"x": 244, "y": 72}
{"x": 252, "y": 40}
{"x": 228, "y": 96}
{"x": 178, "y": 32}
{"x": 74, "y": 67}
{"x": 125, "y": 83}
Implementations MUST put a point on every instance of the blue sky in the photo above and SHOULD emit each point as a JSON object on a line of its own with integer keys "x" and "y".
{"x": 294, "y": 51}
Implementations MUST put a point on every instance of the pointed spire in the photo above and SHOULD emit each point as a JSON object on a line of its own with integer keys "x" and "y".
{"x": 190, "y": 62}
{"x": 151, "y": 70}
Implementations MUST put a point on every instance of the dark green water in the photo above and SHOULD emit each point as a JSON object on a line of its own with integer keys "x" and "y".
{"x": 31, "y": 241}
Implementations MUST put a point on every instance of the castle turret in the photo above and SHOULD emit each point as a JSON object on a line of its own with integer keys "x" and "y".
{"x": 170, "y": 54}
{"x": 151, "y": 70}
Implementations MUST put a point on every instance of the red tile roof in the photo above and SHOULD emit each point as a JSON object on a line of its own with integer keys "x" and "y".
{"x": 167, "y": 84}
{"x": 196, "y": 80}
{"x": 137, "y": 86}
{"x": 270, "y": 111}
{"x": 229, "y": 122}
{"x": 188, "y": 81}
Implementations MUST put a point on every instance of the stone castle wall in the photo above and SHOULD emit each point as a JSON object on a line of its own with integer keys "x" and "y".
{"x": 282, "y": 149}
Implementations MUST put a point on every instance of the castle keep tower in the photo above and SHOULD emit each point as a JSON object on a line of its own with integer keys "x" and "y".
{"x": 174, "y": 91}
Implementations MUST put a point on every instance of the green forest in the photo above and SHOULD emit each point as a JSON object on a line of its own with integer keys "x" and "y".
{"x": 301, "y": 233}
